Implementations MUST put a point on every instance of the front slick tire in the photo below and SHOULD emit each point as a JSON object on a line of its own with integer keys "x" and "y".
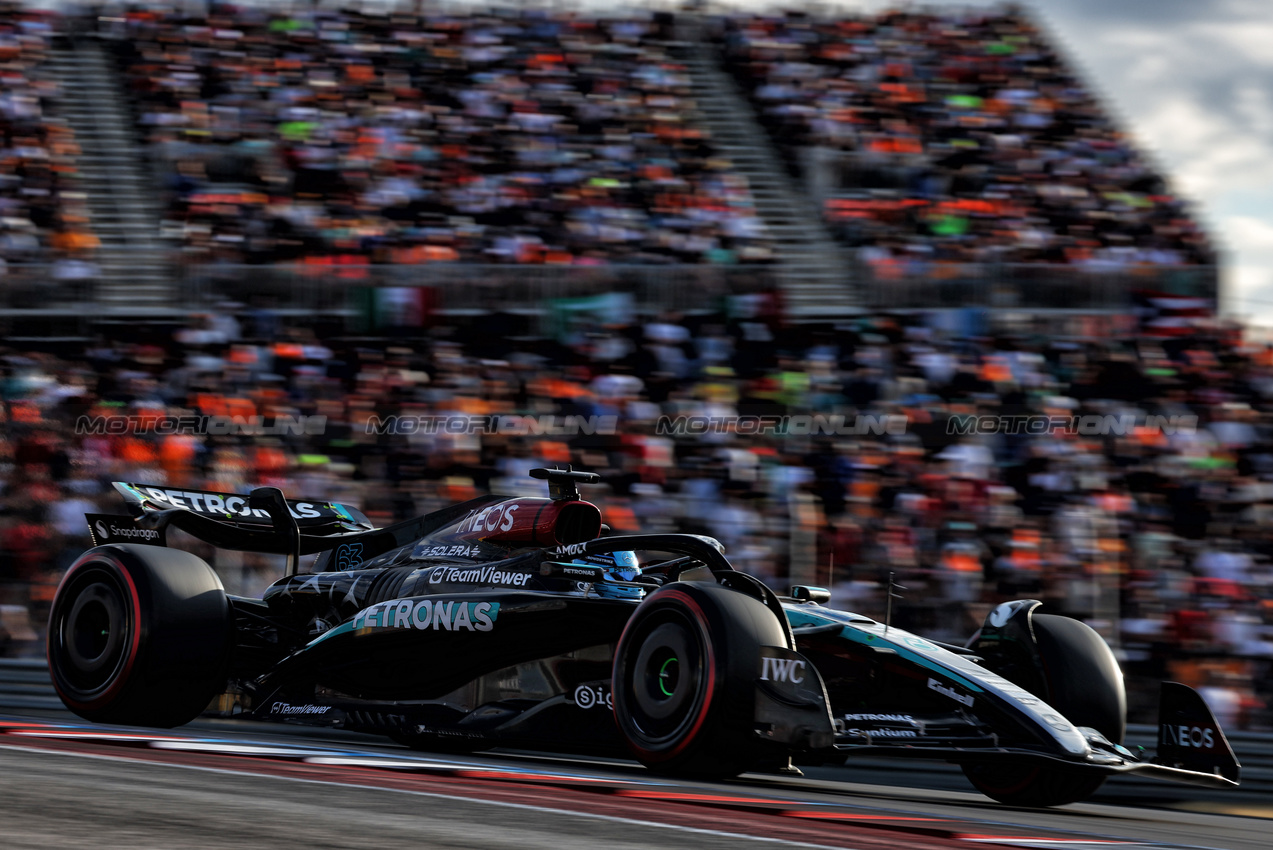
{"x": 139, "y": 636}
{"x": 1033, "y": 786}
{"x": 684, "y": 679}
{"x": 1082, "y": 680}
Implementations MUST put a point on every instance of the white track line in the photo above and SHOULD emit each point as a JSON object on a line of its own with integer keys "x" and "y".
{"x": 448, "y": 797}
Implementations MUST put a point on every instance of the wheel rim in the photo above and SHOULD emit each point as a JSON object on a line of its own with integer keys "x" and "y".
{"x": 93, "y": 634}
{"x": 668, "y": 675}
{"x": 666, "y": 681}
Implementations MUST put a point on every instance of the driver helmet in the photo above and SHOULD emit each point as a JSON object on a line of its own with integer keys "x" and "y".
{"x": 617, "y": 566}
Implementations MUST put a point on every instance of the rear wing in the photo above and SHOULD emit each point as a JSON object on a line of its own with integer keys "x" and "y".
{"x": 265, "y": 522}
{"x": 227, "y": 507}
{"x": 262, "y": 521}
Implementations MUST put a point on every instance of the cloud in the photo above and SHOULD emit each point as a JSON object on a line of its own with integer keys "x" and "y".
{"x": 1192, "y": 83}
{"x": 1253, "y": 104}
{"x": 1247, "y": 40}
{"x": 1250, "y": 279}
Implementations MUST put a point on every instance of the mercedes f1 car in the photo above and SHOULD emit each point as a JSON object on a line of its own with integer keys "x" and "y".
{"x": 515, "y": 622}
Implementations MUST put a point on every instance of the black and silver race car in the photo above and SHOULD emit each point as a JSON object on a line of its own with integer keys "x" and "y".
{"x": 513, "y": 622}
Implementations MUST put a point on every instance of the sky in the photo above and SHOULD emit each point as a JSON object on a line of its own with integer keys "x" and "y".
{"x": 1192, "y": 81}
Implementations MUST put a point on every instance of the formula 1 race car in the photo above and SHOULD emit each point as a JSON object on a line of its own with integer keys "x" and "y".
{"x": 512, "y": 622}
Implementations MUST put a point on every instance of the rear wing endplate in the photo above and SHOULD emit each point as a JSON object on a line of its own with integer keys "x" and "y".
{"x": 228, "y": 507}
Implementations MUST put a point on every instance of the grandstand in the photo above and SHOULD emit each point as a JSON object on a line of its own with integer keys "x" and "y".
{"x": 942, "y": 146}
{"x": 505, "y": 158}
{"x": 331, "y": 165}
{"x": 47, "y": 243}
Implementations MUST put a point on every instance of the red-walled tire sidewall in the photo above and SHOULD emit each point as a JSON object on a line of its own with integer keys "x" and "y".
{"x": 166, "y": 625}
{"x": 712, "y": 734}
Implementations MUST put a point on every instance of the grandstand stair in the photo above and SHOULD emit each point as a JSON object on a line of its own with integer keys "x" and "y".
{"x": 123, "y": 199}
{"x": 814, "y": 271}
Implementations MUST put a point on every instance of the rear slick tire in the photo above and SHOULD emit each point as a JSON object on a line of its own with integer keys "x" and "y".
{"x": 139, "y": 636}
{"x": 1082, "y": 680}
{"x": 684, "y": 679}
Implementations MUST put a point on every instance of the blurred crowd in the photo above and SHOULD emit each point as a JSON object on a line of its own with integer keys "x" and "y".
{"x": 524, "y": 137}
{"x": 1160, "y": 535}
{"x": 42, "y": 215}
{"x": 959, "y": 136}
{"x": 334, "y": 137}
{"x": 343, "y": 138}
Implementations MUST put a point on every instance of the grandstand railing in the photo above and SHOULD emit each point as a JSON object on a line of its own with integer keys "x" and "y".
{"x": 468, "y": 287}
{"x": 477, "y": 288}
{"x": 1009, "y": 286}
{"x": 1027, "y": 286}
{"x": 41, "y": 288}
